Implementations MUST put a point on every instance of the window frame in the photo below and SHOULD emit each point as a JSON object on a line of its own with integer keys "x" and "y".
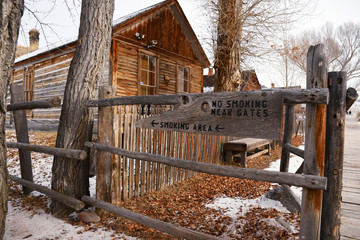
{"x": 184, "y": 66}
{"x": 28, "y": 83}
{"x": 156, "y": 80}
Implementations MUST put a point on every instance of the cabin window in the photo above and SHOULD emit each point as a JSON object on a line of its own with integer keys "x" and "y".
{"x": 29, "y": 83}
{"x": 183, "y": 79}
{"x": 147, "y": 75}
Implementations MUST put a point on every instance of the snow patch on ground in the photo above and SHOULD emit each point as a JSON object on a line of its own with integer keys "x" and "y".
{"x": 37, "y": 224}
{"x": 22, "y": 224}
{"x": 235, "y": 207}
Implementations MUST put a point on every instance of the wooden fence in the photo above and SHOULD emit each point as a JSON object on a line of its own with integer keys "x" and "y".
{"x": 132, "y": 177}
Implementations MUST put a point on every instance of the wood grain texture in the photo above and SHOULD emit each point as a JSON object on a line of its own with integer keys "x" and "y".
{"x": 334, "y": 156}
{"x": 68, "y": 153}
{"x": 22, "y": 135}
{"x": 68, "y": 201}
{"x": 319, "y": 95}
{"x": 104, "y": 160}
{"x": 245, "y": 114}
{"x": 317, "y": 69}
{"x": 309, "y": 181}
{"x": 48, "y": 103}
{"x": 294, "y": 150}
{"x": 351, "y": 97}
{"x": 288, "y": 134}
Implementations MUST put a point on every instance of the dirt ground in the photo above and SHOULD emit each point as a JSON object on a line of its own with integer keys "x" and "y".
{"x": 183, "y": 203}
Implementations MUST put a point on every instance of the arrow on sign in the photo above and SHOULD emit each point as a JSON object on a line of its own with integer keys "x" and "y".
{"x": 218, "y": 127}
{"x": 153, "y": 123}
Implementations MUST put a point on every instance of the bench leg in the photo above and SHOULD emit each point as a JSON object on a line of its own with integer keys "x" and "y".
{"x": 228, "y": 156}
{"x": 269, "y": 147}
{"x": 243, "y": 159}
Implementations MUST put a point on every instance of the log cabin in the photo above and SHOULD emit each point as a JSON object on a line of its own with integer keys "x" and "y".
{"x": 154, "y": 51}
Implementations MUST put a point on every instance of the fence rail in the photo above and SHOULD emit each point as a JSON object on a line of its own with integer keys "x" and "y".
{"x": 301, "y": 180}
{"x": 62, "y": 152}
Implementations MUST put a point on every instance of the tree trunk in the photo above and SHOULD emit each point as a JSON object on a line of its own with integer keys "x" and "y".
{"x": 228, "y": 54}
{"x": 10, "y": 15}
{"x": 71, "y": 176}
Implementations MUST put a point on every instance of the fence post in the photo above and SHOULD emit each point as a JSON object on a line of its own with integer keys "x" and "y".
{"x": 316, "y": 77}
{"x": 104, "y": 159}
{"x": 22, "y": 135}
{"x": 334, "y": 156}
{"x": 288, "y": 133}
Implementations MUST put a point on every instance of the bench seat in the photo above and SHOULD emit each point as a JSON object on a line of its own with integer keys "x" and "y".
{"x": 244, "y": 147}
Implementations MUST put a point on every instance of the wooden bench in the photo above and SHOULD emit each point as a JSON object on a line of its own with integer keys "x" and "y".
{"x": 244, "y": 147}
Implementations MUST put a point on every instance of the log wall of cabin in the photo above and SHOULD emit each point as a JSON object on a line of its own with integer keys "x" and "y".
{"x": 50, "y": 75}
{"x": 126, "y": 78}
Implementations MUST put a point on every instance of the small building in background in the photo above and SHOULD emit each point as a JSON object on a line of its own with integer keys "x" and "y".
{"x": 251, "y": 81}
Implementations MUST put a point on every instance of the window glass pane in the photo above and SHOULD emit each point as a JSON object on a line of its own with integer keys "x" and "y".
{"x": 181, "y": 85}
{"x": 151, "y": 79}
{"x": 186, "y": 74}
{"x": 151, "y": 91}
{"x": 143, "y": 77}
{"x": 186, "y": 79}
{"x": 152, "y": 64}
{"x": 142, "y": 90}
{"x": 144, "y": 62}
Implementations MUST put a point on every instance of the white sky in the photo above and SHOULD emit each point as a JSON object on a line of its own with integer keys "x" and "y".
{"x": 66, "y": 25}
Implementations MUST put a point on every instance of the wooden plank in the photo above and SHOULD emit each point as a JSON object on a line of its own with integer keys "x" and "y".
{"x": 316, "y": 77}
{"x": 125, "y": 167}
{"x": 309, "y": 181}
{"x": 115, "y": 180}
{"x": 104, "y": 159}
{"x": 350, "y": 227}
{"x": 255, "y": 155}
{"x": 68, "y": 201}
{"x": 62, "y": 152}
{"x": 131, "y": 148}
{"x": 351, "y": 183}
{"x": 245, "y": 144}
{"x": 48, "y": 103}
{"x": 318, "y": 95}
{"x": 22, "y": 135}
{"x": 351, "y": 207}
{"x": 294, "y": 150}
{"x": 137, "y": 148}
{"x": 220, "y": 114}
{"x": 334, "y": 156}
{"x": 147, "y": 221}
{"x": 288, "y": 134}
{"x": 351, "y": 96}
{"x": 143, "y": 149}
{"x": 351, "y": 197}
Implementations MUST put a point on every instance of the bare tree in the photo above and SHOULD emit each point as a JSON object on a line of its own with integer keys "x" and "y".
{"x": 10, "y": 15}
{"x": 245, "y": 31}
{"x": 228, "y": 54}
{"x": 70, "y": 176}
{"x": 342, "y": 45}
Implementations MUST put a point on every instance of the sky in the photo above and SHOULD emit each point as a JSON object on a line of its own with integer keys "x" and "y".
{"x": 62, "y": 21}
